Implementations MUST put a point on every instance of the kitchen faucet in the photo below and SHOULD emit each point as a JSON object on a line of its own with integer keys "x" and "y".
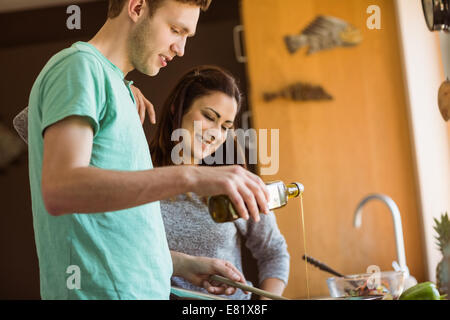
{"x": 397, "y": 226}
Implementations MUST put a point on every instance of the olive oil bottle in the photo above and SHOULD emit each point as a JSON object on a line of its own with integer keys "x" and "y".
{"x": 222, "y": 209}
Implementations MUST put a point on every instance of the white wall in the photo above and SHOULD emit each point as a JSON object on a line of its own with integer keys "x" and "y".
{"x": 445, "y": 49}
{"x": 423, "y": 74}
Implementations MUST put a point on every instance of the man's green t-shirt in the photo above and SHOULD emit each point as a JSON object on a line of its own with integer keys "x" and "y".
{"x": 107, "y": 255}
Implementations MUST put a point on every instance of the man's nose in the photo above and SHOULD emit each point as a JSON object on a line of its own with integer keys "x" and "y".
{"x": 178, "y": 47}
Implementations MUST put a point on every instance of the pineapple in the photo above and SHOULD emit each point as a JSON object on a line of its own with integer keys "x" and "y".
{"x": 443, "y": 269}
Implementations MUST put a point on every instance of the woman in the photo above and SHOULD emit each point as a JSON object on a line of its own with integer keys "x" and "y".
{"x": 208, "y": 97}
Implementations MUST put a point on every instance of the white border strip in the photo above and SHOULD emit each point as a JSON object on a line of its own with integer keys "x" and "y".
{"x": 423, "y": 74}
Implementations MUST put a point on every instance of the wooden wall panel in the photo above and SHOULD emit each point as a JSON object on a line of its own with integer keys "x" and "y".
{"x": 340, "y": 150}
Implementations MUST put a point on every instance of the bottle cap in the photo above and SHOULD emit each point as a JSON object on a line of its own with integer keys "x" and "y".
{"x": 300, "y": 187}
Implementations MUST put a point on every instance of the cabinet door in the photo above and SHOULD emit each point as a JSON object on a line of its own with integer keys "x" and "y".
{"x": 341, "y": 150}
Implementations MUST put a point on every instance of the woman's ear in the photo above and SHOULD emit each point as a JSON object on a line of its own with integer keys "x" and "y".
{"x": 172, "y": 109}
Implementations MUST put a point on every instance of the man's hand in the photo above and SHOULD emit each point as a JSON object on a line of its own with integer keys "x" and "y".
{"x": 143, "y": 104}
{"x": 246, "y": 190}
{"x": 197, "y": 271}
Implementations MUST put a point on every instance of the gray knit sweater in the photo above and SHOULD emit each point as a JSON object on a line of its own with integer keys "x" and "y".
{"x": 191, "y": 230}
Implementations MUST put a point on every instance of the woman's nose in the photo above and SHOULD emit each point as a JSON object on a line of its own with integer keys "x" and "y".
{"x": 213, "y": 135}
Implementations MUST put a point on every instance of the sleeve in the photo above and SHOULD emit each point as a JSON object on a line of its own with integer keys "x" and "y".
{"x": 267, "y": 245}
{"x": 74, "y": 86}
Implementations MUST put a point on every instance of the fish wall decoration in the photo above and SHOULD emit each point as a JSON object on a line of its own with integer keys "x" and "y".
{"x": 324, "y": 33}
{"x": 299, "y": 92}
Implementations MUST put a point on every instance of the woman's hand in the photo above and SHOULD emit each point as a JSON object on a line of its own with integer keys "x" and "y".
{"x": 197, "y": 271}
{"x": 143, "y": 104}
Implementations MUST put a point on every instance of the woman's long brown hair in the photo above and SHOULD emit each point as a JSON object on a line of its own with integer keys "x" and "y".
{"x": 196, "y": 83}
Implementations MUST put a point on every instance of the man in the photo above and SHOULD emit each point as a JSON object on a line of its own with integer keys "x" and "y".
{"x": 94, "y": 191}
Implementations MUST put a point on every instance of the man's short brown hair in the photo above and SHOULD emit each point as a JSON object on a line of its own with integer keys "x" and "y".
{"x": 116, "y": 6}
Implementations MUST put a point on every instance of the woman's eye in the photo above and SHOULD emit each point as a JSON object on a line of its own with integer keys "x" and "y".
{"x": 208, "y": 117}
{"x": 175, "y": 31}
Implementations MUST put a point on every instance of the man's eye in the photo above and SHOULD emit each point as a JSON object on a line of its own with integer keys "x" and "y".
{"x": 175, "y": 31}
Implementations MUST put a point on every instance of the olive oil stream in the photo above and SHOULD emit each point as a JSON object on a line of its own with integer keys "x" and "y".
{"x": 304, "y": 245}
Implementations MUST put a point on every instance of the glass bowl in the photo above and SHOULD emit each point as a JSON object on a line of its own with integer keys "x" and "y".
{"x": 386, "y": 285}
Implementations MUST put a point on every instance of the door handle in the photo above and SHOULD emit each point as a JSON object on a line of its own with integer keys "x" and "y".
{"x": 238, "y": 52}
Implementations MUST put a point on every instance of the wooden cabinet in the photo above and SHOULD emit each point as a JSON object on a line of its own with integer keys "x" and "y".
{"x": 341, "y": 150}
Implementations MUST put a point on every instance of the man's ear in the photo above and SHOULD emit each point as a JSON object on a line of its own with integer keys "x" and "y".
{"x": 136, "y": 8}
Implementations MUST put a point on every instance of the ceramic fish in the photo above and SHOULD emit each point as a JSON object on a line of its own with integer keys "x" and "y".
{"x": 324, "y": 33}
{"x": 299, "y": 92}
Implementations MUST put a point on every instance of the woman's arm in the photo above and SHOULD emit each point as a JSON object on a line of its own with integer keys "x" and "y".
{"x": 273, "y": 285}
{"x": 269, "y": 248}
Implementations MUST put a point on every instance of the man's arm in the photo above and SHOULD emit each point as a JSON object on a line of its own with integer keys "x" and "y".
{"x": 70, "y": 185}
